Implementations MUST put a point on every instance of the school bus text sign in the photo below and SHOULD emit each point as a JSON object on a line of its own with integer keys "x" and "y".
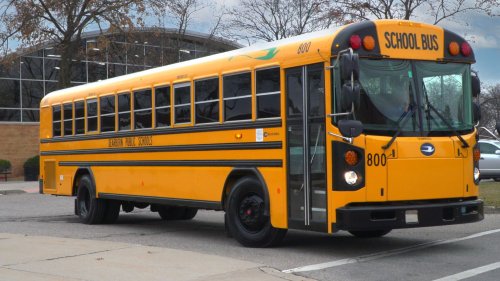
{"x": 411, "y": 41}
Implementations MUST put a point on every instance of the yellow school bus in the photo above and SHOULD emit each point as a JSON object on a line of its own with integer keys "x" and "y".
{"x": 365, "y": 128}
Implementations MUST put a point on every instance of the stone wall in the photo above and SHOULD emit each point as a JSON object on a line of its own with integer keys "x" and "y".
{"x": 18, "y": 142}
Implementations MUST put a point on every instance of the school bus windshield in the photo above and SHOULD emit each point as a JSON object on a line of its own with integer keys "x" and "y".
{"x": 434, "y": 97}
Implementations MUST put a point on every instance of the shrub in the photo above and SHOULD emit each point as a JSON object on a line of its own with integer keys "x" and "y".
{"x": 33, "y": 162}
{"x": 4, "y": 165}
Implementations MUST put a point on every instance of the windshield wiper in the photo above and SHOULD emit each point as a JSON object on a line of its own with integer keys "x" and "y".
{"x": 464, "y": 143}
{"x": 403, "y": 118}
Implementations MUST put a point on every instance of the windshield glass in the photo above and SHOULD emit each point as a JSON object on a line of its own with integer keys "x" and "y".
{"x": 414, "y": 97}
{"x": 444, "y": 97}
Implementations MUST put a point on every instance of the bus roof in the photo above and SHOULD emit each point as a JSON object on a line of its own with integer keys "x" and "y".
{"x": 393, "y": 39}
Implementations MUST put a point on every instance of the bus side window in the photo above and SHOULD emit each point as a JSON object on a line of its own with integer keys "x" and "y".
{"x": 124, "y": 112}
{"x": 143, "y": 112}
{"x": 162, "y": 106}
{"x": 107, "y": 113}
{"x": 56, "y": 120}
{"x": 79, "y": 117}
{"x": 68, "y": 119}
{"x": 206, "y": 101}
{"x": 237, "y": 95}
{"x": 267, "y": 82}
{"x": 91, "y": 115}
{"x": 182, "y": 103}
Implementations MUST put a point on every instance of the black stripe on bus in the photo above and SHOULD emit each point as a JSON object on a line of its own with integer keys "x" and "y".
{"x": 211, "y": 205}
{"x": 178, "y": 163}
{"x": 164, "y": 131}
{"x": 170, "y": 148}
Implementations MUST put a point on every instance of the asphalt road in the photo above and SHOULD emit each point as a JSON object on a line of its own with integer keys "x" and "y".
{"x": 455, "y": 252}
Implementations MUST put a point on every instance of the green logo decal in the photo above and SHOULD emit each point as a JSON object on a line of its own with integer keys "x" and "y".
{"x": 271, "y": 53}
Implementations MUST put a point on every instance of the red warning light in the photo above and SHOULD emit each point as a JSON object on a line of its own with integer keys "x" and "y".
{"x": 355, "y": 42}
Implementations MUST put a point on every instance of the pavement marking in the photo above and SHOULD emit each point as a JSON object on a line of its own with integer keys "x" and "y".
{"x": 384, "y": 254}
{"x": 471, "y": 272}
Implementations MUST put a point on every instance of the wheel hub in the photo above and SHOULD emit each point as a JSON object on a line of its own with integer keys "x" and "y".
{"x": 251, "y": 212}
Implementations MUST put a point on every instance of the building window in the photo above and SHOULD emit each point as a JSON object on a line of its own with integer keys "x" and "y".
{"x": 107, "y": 105}
{"x": 31, "y": 115}
{"x": 143, "y": 113}
{"x": 124, "y": 112}
{"x": 206, "y": 96}
{"x": 182, "y": 103}
{"x": 91, "y": 115}
{"x": 9, "y": 93}
{"x": 32, "y": 94}
{"x": 56, "y": 121}
{"x": 237, "y": 97}
{"x": 79, "y": 117}
{"x": 68, "y": 119}
{"x": 162, "y": 106}
{"x": 267, "y": 84}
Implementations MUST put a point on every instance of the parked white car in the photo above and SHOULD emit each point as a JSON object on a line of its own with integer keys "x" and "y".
{"x": 489, "y": 163}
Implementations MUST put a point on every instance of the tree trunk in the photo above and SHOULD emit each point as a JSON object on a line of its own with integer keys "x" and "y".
{"x": 68, "y": 52}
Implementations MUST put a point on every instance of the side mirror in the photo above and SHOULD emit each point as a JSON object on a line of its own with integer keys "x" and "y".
{"x": 476, "y": 86}
{"x": 497, "y": 152}
{"x": 350, "y": 128}
{"x": 476, "y": 111}
{"x": 349, "y": 95}
{"x": 497, "y": 127}
{"x": 349, "y": 65}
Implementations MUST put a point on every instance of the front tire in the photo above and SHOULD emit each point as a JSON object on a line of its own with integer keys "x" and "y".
{"x": 89, "y": 208}
{"x": 370, "y": 233}
{"x": 248, "y": 220}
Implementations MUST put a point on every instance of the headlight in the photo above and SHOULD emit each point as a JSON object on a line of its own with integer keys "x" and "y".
{"x": 477, "y": 173}
{"x": 351, "y": 177}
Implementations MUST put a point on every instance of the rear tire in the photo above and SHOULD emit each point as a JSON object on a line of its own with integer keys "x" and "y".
{"x": 496, "y": 179}
{"x": 189, "y": 213}
{"x": 171, "y": 213}
{"x": 90, "y": 209}
{"x": 248, "y": 220}
{"x": 112, "y": 211}
{"x": 370, "y": 233}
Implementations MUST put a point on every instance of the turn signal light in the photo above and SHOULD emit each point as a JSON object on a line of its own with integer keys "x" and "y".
{"x": 476, "y": 154}
{"x": 351, "y": 158}
{"x": 355, "y": 42}
{"x": 454, "y": 48}
{"x": 368, "y": 43}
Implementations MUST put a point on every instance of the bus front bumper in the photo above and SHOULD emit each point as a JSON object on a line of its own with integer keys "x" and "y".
{"x": 407, "y": 215}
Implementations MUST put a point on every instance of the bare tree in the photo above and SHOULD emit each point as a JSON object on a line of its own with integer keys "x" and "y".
{"x": 181, "y": 14}
{"x": 438, "y": 10}
{"x": 268, "y": 20}
{"x": 490, "y": 107}
{"x": 33, "y": 22}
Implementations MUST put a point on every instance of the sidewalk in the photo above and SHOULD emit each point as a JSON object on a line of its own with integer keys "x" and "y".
{"x": 49, "y": 258}
{"x": 18, "y": 187}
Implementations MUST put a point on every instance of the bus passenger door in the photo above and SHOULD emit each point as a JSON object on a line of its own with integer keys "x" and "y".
{"x": 306, "y": 169}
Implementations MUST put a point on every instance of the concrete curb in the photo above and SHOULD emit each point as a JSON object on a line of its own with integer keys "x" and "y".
{"x": 12, "y": 191}
{"x": 491, "y": 210}
{"x": 44, "y": 258}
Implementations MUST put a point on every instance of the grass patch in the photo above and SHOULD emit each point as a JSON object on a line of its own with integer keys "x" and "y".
{"x": 489, "y": 191}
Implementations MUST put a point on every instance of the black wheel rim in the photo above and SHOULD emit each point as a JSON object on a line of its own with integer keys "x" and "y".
{"x": 251, "y": 212}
